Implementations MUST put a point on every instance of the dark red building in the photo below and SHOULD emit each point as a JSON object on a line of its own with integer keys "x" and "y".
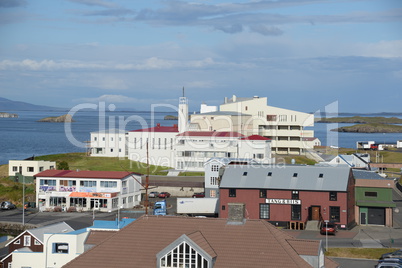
{"x": 290, "y": 195}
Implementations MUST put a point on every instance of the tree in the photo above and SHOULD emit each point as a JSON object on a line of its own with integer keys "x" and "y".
{"x": 62, "y": 165}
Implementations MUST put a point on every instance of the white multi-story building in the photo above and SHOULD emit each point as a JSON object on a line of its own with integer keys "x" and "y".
{"x": 194, "y": 148}
{"x": 155, "y": 143}
{"x": 188, "y": 145}
{"x": 87, "y": 190}
{"x": 109, "y": 143}
{"x": 252, "y": 116}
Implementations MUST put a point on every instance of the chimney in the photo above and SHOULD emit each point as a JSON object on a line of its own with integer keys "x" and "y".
{"x": 225, "y": 100}
{"x": 234, "y": 98}
{"x": 158, "y": 125}
{"x": 236, "y": 213}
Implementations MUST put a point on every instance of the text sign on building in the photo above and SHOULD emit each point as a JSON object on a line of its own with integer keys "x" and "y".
{"x": 283, "y": 201}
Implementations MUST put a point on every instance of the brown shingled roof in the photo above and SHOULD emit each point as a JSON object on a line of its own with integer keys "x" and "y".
{"x": 95, "y": 237}
{"x": 256, "y": 243}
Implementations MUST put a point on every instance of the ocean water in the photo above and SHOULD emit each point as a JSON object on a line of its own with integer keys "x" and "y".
{"x": 24, "y": 137}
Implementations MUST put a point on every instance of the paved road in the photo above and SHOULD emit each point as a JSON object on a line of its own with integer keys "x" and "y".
{"x": 355, "y": 263}
{"x": 77, "y": 220}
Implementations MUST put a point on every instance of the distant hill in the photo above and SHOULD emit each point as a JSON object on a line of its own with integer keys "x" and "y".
{"x": 10, "y": 105}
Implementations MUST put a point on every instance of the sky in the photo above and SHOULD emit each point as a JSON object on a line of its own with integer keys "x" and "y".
{"x": 303, "y": 55}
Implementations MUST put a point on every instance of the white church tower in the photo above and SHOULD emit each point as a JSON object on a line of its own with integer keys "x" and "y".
{"x": 183, "y": 113}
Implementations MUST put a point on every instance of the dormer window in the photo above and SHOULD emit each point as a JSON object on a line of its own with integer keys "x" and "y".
{"x": 321, "y": 175}
{"x": 245, "y": 173}
{"x": 269, "y": 174}
{"x": 185, "y": 253}
{"x": 294, "y": 175}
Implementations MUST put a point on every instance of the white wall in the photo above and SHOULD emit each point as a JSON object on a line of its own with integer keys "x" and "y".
{"x": 48, "y": 258}
{"x": 110, "y": 143}
{"x": 26, "y": 165}
{"x": 160, "y": 147}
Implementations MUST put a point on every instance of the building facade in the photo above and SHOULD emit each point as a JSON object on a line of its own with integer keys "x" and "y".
{"x": 290, "y": 194}
{"x": 286, "y": 128}
{"x": 194, "y": 148}
{"x": 87, "y": 190}
{"x": 374, "y": 202}
{"x": 28, "y": 168}
{"x": 109, "y": 143}
{"x": 31, "y": 241}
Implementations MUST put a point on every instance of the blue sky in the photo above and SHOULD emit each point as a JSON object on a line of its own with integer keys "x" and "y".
{"x": 301, "y": 54}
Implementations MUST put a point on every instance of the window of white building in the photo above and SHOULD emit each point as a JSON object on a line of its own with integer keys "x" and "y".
{"x": 60, "y": 248}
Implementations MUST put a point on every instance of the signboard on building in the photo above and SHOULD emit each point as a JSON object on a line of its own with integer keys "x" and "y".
{"x": 283, "y": 201}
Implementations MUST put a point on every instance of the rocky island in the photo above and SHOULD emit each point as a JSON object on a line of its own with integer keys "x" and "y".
{"x": 170, "y": 117}
{"x": 8, "y": 115}
{"x": 371, "y": 128}
{"x": 362, "y": 120}
{"x": 58, "y": 119}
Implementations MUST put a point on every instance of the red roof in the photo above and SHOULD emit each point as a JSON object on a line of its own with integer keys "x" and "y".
{"x": 255, "y": 138}
{"x": 158, "y": 128}
{"x": 220, "y": 134}
{"x": 85, "y": 174}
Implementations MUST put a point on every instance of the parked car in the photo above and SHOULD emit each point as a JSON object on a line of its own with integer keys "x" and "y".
{"x": 328, "y": 228}
{"x": 153, "y": 194}
{"x": 198, "y": 195}
{"x": 389, "y": 263}
{"x": 164, "y": 195}
{"x": 6, "y": 205}
{"x": 395, "y": 254}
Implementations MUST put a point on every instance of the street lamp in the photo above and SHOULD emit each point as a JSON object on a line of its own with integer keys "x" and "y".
{"x": 47, "y": 240}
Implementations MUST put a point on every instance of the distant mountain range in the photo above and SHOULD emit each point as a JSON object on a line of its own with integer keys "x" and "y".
{"x": 10, "y": 105}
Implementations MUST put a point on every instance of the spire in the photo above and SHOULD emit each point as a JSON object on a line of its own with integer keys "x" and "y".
{"x": 183, "y": 91}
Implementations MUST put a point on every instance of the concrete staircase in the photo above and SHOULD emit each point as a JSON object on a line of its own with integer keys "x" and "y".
{"x": 312, "y": 226}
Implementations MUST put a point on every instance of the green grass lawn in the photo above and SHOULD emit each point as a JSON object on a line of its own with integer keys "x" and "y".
{"x": 83, "y": 162}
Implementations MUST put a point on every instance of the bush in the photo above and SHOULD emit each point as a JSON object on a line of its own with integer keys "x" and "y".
{"x": 57, "y": 209}
{"x": 72, "y": 209}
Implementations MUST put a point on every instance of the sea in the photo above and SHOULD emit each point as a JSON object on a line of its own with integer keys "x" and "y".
{"x": 24, "y": 137}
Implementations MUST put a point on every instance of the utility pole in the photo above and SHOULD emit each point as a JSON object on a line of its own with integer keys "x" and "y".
{"x": 147, "y": 182}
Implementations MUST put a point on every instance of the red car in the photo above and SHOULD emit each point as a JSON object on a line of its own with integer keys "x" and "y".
{"x": 164, "y": 195}
{"x": 198, "y": 195}
{"x": 328, "y": 228}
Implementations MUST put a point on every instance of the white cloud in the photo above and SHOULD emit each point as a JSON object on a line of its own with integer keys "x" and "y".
{"x": 382, "y": 49}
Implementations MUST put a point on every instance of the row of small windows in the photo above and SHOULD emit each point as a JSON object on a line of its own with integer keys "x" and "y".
{"x": 269, "y": 174}
{"x": 295, "y": 194}
{"x": 334, "y": 212}
{"x": 31, "y": 169}
{"x": 104, "y": 139}
{"x": 105, "y": 184}
{"x": 156, "y": 143}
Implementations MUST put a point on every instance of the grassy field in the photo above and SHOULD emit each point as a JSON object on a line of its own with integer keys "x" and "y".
{"x": 82, "y": 162}
{"x": 361, "y": 253}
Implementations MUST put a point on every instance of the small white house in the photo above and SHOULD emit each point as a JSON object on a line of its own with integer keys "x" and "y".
{"x": 87, "y": 190}
{"x": 29, "y": 167}
{"x": 399, "y": 144}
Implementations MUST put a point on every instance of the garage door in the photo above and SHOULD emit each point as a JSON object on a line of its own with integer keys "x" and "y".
{"x": 376, "y": 216}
